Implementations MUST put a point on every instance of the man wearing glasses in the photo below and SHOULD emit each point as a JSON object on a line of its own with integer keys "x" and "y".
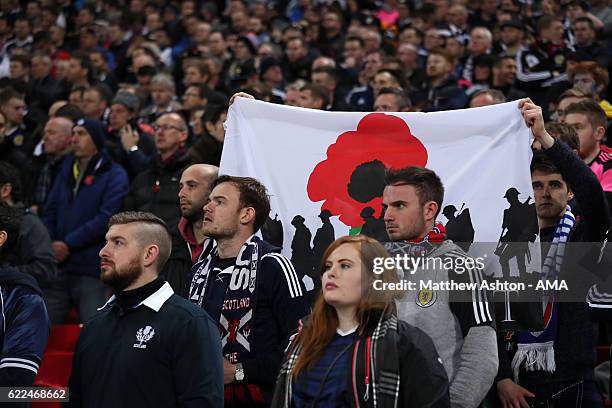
{"x": 156, "y": 188}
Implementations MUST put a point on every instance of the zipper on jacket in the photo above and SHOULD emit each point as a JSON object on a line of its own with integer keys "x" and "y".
{"x": 368, "y": 349}
{"x": 355, "y": 374}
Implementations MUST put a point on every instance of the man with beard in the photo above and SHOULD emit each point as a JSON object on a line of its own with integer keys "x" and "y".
{"x": 149, "y": 346}
{"x": 190, "y": 245}
{"x": 252, "y": 292}
{"x": 461, "y": 324}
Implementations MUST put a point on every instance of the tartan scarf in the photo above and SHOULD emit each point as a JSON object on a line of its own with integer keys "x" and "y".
{"x": 536, "y": 349}
{"x": 381, "y": 390}
{"x": 236, "y": 320}
{"x": 422, "y": 246}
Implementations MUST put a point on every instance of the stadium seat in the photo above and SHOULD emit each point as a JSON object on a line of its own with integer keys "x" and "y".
{"x": 64, "y": 337}
{"x": 55, "y": 369}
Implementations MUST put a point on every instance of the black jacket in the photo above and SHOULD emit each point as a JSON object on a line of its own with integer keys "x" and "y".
{"x": 423, "y": 380}
{"x": 136, "y": 161}
{"x": 34, "y": 255}
{"x": 446, "y": 96}
{"x": 24, "y": 328}
{"x": 156, "y": 189}
{"x": 166, "y": 352}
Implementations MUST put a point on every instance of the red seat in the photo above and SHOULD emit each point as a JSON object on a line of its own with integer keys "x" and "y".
{"x": 64, "y": 337}
{"x": 55, "y": 369}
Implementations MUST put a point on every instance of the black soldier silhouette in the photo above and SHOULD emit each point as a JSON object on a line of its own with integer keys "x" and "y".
{"x": 373, "y": 227}
{"x": 516, "y": 310}
{"x": 272, "y": 231}
{"x": 459, "y": 226}
{"x": 323, "y": 238}
{"x": 301, "y": 254}
{"x": 519, "y": 227}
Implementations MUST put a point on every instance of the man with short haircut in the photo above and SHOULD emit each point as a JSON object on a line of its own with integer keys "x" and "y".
{"x": 586, "y": 41}
{"x": 392, "y": 100}
{"x": 43, "y": 89}
{"x": 13, "y": 106}
{"x": 462, "y": 331}
{"x": 589, "y": 121}
{"x": 163, "y": 94}
{"x": 296, "y": 62}
{"x": 353, "y": 53}
{"x": 155, "y": 189}
{"x": 441, "y": 91}
{"x": 327, "y": 77}
{"x": 157, "y": 347}
{"x": 542, "y": 64}
{"x": 95, "y": 103}
{"x": 130, "y": 142}
{"x": 512, "y": 33}
{"x": 80, "y": 71}
{"x": 313, "y": 96}
{"x": 385, "y": 78}
{"x": 56, "y": 144}
{"x": 487, "y": 97}
{"x": 250, "y": 290}
{"x": 504, "y": 77}
{"x": 361, "y": 96}
{"x": 88, "y": 190}
{"x": 195, "y": 187}
{"x": 567, "y": 98}
{"x": 24, "y": 325}
{"x": 481, "y": 41}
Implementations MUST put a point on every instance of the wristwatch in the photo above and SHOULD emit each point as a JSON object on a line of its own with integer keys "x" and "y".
{"x": 239, "y": 376}
{"x": 134, "y": 148}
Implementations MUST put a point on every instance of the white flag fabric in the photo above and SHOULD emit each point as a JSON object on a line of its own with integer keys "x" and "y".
{"x": 325, "y": 169}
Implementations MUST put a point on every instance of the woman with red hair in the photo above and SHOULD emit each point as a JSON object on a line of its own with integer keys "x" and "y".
{"x": 352, "y": 350}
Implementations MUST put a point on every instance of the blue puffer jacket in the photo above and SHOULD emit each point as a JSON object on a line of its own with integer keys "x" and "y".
{"x": 81, "y": 219}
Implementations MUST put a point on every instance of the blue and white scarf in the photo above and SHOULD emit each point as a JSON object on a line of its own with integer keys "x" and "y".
{"x": 536, "y": 349}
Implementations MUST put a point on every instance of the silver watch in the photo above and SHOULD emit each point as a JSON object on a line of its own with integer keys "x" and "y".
{"x": 239, "y": 376}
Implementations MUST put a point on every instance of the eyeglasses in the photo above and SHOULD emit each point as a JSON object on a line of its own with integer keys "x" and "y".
{"x": 165, "y": 127}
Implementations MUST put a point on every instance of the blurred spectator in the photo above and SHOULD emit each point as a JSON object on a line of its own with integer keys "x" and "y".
{"x": 208, "y": 146}
{"x": 56, "y": 144}
{"x": 88, "y": 190}
{"x": 441, "y": 91}
{"x": 129, "y": 142}
{"x": 33, "y": 254}
{"x": 163, "y": 94}
{"x": 392, "y": 100}
{"x": 543, "y": 63}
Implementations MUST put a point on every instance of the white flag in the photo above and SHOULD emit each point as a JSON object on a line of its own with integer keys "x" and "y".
{"x": 325, "y": 170}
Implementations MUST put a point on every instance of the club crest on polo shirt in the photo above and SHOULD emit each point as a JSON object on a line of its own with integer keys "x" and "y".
{"x": 144, "y": 335}
{"x": 426, "y": 298}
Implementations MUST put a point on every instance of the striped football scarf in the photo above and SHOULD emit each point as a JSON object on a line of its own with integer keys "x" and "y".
{"x": 536, "y": 349}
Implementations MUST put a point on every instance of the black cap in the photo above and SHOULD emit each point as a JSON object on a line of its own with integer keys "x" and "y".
{"x": 147, "y": 70}
{"x": 243, "y": 71}
{"x": 266, "y": 64}
{"x": 513, "y": 24}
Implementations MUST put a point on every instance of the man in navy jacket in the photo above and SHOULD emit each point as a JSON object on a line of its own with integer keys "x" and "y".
{"x": 88, "y": 191}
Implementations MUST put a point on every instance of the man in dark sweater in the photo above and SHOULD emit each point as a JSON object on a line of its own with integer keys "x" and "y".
{"x": 147, "y": 347}
{"x": 563, "y": 374}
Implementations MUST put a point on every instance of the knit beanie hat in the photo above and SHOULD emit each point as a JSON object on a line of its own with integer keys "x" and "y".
{"x": 95, "y": 130}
